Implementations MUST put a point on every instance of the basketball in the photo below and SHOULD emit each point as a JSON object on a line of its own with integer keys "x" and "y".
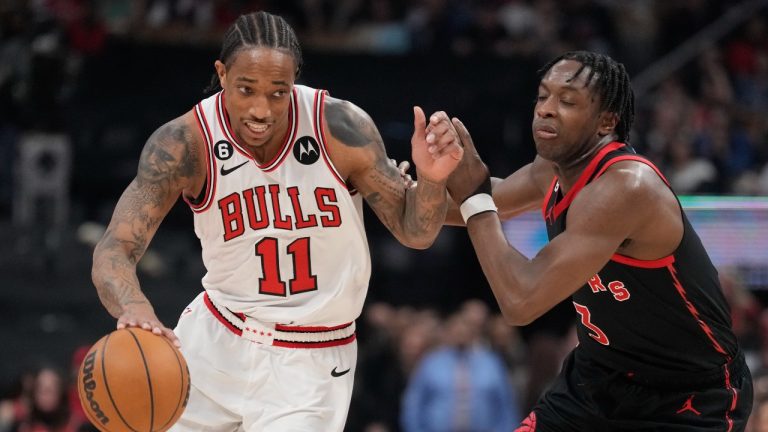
{"x": 133, "y": 380}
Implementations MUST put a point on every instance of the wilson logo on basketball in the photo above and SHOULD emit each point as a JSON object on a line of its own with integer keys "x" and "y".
{"x": 90, "y": 385}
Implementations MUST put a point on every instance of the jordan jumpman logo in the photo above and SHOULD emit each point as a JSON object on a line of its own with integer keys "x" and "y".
{"x": 688, "y": 406}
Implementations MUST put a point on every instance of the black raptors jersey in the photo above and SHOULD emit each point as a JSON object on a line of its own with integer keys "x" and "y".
{"x": 665, "y": 319}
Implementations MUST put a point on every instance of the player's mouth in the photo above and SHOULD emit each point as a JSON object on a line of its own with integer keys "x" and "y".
{"x": 257, "y": 129}
{"x": 545, "y": 131}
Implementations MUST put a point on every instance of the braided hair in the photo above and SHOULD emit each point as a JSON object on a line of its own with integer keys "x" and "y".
{"x": 257, "y": 29}
{"x": 611, "y": 84}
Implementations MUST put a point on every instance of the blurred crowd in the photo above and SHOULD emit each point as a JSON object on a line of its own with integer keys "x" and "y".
{"x": 704, "y": 123}
{"x": 418, "y": 370}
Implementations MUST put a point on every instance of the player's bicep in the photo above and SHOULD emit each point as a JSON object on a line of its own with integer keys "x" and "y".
{"x": 516, "y": 194}
{"x": 598, "y": 221}
{"x": 168, "y": 163}
{"x": 359, "y": 151}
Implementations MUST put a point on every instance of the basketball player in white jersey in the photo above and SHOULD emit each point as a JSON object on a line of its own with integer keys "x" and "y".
{"x": 275, "y": 174}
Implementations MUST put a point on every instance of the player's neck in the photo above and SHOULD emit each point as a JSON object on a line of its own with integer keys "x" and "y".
{"x": 267, "y": 151}
{"x": 569, "y": 172}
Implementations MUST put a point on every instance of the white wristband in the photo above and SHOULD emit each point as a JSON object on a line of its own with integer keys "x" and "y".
{"x": 475, "y": 204}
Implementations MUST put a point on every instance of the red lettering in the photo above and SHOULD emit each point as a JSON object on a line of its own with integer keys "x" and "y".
{"x": 326, "y": 202}
{"x": 260, "y": 220}
{"x": 619, "y": 292}
{"x": 586, "y": 319}
{"x": 231, "y": 215}
{"x": 301, "y": 222}
{"x": 270, "y": 282}
{"x": 596, "y": 284}
{"x": 279, "y": 221}
{"x": 303, "y": 279}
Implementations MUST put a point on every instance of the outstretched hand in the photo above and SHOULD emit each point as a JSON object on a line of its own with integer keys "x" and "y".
{"x": 467, "y": 179}
{"x": 435, "y": 149}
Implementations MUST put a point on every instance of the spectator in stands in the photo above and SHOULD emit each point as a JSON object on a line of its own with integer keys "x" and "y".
{"x": 461, "y": 386}
{"x": 50, "y": 410}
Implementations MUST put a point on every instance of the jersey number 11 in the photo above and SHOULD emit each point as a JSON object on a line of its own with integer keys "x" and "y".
{"x": 270, "y": 283}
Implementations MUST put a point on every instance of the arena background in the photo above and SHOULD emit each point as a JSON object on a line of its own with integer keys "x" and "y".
{"x": 84, "y": 83}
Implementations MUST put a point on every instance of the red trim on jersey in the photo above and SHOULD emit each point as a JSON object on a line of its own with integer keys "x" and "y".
{"x": 223, "y": 125}
{"x": 584, "y": 177}
{"x": 528, "y": 425}
{"x": 233, "y": 327}
{"x": 310, "y": 329}
{"x": 695, "y": 313}
{"x": 634, "y": 158}
{"x": 734, "y": 398}
{"x": 319, "y": 110}
{"x": 210, "y": 166}
{"x": 290, "y": 135}
{"x": 548, "y": 197}
{"x": 327, "y": 344}
{"x": 220, "y": 317}
{"x": 226, "y": 127}
{"x": 648, "y": 264}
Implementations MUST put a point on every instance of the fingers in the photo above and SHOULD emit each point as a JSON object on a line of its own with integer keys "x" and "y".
{"x": 156, "y": 327}
{"x": 419, "y": 124}
{"x": 172, "y": 337}
{"x": 466, "y": 139}
{"x": 441, "y": 136}
{"x": 454, "y": 150}
{"x": 404, "y": 167}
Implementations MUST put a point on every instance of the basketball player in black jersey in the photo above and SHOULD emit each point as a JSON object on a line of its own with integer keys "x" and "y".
{"x": 656, "y": 350}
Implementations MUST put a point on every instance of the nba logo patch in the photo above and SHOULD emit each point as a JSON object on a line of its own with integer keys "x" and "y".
{"x": 306, "y": 150}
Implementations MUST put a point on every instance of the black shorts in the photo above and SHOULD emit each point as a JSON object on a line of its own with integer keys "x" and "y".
{"x": 614, "y": 403}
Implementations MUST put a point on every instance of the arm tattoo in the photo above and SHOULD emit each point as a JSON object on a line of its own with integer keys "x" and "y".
{"x": 350, "y": 127}
{"x": 169, "y": 162}
{"x": 414, "y": 216}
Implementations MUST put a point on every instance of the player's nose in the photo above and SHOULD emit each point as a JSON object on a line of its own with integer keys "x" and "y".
{"x": 260, "y": 108}
{"x": 546, "y": 107}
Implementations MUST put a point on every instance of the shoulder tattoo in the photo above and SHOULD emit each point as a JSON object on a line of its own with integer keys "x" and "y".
{"x": 350, "y": 125}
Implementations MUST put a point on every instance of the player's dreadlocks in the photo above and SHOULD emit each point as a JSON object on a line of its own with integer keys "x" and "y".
{"x": 611, "y": 84}
{"x": 257, "y": 29}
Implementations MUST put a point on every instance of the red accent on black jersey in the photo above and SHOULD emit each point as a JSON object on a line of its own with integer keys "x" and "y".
{"x": 667, "y": 318}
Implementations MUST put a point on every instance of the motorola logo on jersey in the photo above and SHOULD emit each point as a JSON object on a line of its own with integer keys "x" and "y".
{"x": 223, "y": 150}
{"x": 306, "y": 150}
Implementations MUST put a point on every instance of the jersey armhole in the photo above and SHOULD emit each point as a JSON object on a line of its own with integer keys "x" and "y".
{"x": 319, "y": 114}
{"x": 203, "y": 201}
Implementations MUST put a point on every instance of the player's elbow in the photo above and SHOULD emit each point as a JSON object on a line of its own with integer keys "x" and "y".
{"x": 417, "y": 243}
{"x": 517, "y": 312}
{"x": 416, "y": 239}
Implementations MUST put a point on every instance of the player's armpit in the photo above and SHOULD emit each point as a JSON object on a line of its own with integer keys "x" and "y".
{"x": 413, "y": 215}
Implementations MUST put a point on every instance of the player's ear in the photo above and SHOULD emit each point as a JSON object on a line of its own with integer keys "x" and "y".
{"x": 221, "y": 71}
{"x": 608, "y": 122}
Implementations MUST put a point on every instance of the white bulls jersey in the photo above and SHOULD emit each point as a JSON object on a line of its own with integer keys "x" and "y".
{"x": 283, "y": 241}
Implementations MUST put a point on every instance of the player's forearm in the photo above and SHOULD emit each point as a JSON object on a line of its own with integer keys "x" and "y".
{"x": 424, "y": 213}
{"x": 504, "y": 268}
{"x": 114, "y": 274}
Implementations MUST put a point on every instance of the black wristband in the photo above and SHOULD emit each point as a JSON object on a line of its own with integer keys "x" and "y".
{"x": 482, "y": 188}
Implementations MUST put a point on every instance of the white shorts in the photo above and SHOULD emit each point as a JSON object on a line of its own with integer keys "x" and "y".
{"x": 242, "y": 385}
